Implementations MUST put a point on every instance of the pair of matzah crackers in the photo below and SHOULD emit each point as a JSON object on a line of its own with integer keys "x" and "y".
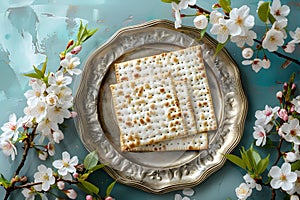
{"x": 163, "y": 102}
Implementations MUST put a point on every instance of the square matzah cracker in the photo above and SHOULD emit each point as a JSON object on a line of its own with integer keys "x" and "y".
{"x": 186, "y": 64}
{"x": 191, "y": 142}
{"x": 147, "y": 111}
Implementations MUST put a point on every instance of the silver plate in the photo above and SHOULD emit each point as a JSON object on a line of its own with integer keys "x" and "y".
{"x": 158, "y": 172}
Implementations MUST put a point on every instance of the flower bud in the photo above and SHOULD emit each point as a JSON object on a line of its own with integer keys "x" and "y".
{"x": 88, "y": 197}
{"x": 73, "y": 114}
{"x": 109, "y": 198}
{"x": 61, "y": 185}
{"x": 285, "y": 86}
{"x": 247, "y": 53}
{"x": 71, "y": 193}
{"x": 76, "y": 49}
{"x": 215, "y": 6}
{"x": 70, "y": 43}
{"x": 24, "y": 179}
{"x": 282, "y": 113}
{"x": 75, "y": 175}
{"x": 293, "y": 89}
{"x": 42, "y": 155}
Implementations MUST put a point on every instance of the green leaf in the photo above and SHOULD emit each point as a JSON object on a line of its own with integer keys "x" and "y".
{"x": 80, "y": 31}
{"x": 263, "y": 164}
{"x": 245, "y": 158}
{"x": 89, "y": 187}
{"x": 44, "y": 66}
{"x": 90, "y": 160}
{"x": 254, "y": 158}
{"x": 296, "y": 165}
{"x": 264, "y": 11}
{"x": 99, "y": 166}
{"x": 220, "y": 46}
{"x": 38, "y": 72}
{"x": 226, "y": 5}
{"x": 32, "y": 75}
{"x": 202, "y": 33}
{"x": 109, "y": 188}
{"x": 170, "y": 1}
{"x": 236, "y": 160}
{"x": 4, "y": 182}
{"x": 271, "y": 18}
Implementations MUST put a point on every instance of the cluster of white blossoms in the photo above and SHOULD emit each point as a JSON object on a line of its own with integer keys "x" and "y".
{"x": 289, "y": 130}
{"x": 236, "y": 25}
{"x": 48, "y": 103}
{"x": 45, "y": 178}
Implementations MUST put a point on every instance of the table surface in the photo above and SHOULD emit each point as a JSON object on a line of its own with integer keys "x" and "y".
{"x": 34, "y": 29}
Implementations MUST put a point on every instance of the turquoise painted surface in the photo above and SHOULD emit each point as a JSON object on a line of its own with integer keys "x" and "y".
{"x": 34, "y": 29}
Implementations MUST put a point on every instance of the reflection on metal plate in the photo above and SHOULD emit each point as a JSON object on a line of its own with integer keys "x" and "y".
{"x": 158, "y": 172}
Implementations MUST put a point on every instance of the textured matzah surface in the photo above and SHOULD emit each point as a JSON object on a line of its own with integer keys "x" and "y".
{"x": 185, "y": 64}
{"x": 147, "y": 111}
{"x": 191, "y": 142}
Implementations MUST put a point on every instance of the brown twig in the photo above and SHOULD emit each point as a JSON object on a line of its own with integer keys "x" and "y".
{"x": 279, "y": 154}
{"x": 27, "y": 141}
{"x": 204, "y": 11}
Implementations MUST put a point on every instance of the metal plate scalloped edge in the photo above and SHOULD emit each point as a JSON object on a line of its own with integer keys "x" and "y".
{"x": 187, "y": 174}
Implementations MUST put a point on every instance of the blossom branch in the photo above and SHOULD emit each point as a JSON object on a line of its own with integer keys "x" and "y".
{"x": 204, "y": 11}
{"x": 279, "y": 154}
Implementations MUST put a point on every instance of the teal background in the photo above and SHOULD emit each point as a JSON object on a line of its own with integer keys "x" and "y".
{"x": 33, "y": 29}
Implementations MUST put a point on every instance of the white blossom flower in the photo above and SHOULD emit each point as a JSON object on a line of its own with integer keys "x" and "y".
{"x": 58, "y": 79}
{"x": 295, "y": 35}
{"x": 296, "y": 188}
{"x": 296, "y": 103}
{"x": 268, "y": 114}
{"x": 200, "y": 21}
{"x": 215, "y": 16}
{"x": 260, "y": 135}
{"x": 28, "y": 194}
{"x": 183, "y": 4}
{"x": 257, "y": 64}
{"x": 282, "y": 177}
{"x": 58, "y": 113}
{"x": 66, "y": 164}
{"x": 58, "y": 136}
{"x": 240, "y": 20}
{"x": 8, "y": 148}
{"x": 71, "y": 193}
{"x": 289, "y": 48}
{"x": 280, "y": 25}
{"x": 51, "y": 99}
{"x": 69, "y": 63}
{"x": 51, "y": 149}
{"x": 291, "y": 131}
{"x": 45, "y": 176}
{"x": 10, "y": 129}
{"x": 247, "y": 38}
{"x": 64, "y": 95}
{"x": 243, "y": 191}
{"x": 278, "y": 11}
{"x": 283, "y": 114}
{"x": 60, "y": 185}
{"x": 251, "y": 182}
{"x": 221, "y": 30}
{"x": 36, "y": 94}
{"x": 247, "y": 53}
{"x": 39, "y": 111}
{"x": 177, "y": 15}
{"x": 46, "y": 126}
{"x": 273, "y": 39}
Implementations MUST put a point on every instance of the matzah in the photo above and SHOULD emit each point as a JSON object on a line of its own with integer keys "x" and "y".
{"x": 147, "y": 111}
{"x": 186, "y": 64}
{"x": 192, "y": 142}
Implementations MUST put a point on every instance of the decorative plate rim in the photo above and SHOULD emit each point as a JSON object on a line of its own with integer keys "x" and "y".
{"x": 188, "y": 174}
